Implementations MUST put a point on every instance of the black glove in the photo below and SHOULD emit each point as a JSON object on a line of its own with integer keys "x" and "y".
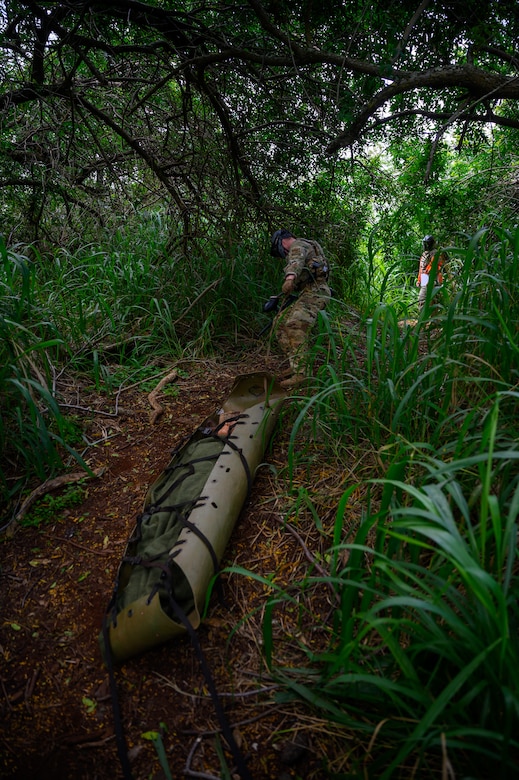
{"x": 271, "y": 304}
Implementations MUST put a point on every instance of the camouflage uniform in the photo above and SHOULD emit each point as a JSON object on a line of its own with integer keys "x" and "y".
{"x": 305, "y": 259}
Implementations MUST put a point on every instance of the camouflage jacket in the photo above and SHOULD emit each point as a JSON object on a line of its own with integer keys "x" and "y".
{"x": 307, "y": 262}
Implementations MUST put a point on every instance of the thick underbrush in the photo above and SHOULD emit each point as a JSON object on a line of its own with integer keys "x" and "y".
{"x": 374, "y": 579}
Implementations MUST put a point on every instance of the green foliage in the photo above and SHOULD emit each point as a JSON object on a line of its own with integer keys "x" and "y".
{"x": 433, "y": 382}
{"x": 224, "y": 143}
{"x": 34, "y": 433}
{"x": 444, "y": 194}
{"x": 424, "y": 651}
{"x": 156, "y": 738}
{"x": 50, "y": 507}
{"x": 421, "y": 657}
{"x": 142, "y": 241}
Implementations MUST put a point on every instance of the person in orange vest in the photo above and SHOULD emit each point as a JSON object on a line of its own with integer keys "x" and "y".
{"x": 425, "y": 266}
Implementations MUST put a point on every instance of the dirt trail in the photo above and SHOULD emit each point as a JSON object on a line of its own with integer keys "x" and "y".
{"x": 56, "y": 582}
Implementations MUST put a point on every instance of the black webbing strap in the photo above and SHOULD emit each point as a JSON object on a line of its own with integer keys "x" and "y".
{"x": 189, "y": 471}
{"x": 120, "y": 738}
{"x": 238, "y": 756}
{"x": 149, "y": 562}
{"x": 244, "y": 463}
{"x": 203, "y": 538}
{"x": 189, "y": 466}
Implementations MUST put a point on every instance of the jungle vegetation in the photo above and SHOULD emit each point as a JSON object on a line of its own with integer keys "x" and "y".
{"x": 148, "y": 149}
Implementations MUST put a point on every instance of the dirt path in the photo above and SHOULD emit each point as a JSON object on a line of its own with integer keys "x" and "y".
{"x": 56, "y": 582}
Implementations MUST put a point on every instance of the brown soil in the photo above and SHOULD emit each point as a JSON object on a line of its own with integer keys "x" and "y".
{"x": 57, "y": 580}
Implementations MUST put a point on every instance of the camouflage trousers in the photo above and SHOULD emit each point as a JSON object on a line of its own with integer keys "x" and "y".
{"x": 292, "y": 325}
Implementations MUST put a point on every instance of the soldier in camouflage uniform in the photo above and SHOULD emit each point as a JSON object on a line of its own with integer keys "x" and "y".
{"x": 306, "y": 275}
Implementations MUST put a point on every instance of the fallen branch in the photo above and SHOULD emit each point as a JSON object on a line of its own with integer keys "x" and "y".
{"x": 80, "y": 546}
{"x": 188, "y": 772}
{"x": 47, "y": 487}
{"x": 152, "y": 397}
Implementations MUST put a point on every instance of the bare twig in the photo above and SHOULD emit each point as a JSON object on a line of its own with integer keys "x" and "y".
{"x": 97, "y": 743}
{"x": 82, "y": 546}
{"x": 6, "y": 695}
{"x": 233, "y": 695}
{"x": 29, "y": 689}
{"x": 238, "y": 724}
{"x": 97, "y": 412}
{"x": 308, "y": 554}
{"x": 191, "y": 772}
{"x": 209, "y": 287}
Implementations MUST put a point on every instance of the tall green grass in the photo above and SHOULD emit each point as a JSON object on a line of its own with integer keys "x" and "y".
{"x": 421, "y": 657}
{"x": 34, "y": 434}
{"x": 108, "y": 314}
{"x": 432, "y": 382}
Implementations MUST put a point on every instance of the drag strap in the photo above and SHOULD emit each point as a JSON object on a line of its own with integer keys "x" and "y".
{"x": 238, "y": 756}
{"x": 120, "y": 738}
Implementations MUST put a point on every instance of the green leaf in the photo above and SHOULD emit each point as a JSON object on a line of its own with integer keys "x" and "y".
{"x": 152, "y": 736}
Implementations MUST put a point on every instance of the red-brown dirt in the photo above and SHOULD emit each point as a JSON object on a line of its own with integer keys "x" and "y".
{"x": 57, "y": 580}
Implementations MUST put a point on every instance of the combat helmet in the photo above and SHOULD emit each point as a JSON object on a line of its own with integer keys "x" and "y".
{"x": 276, "y": 243}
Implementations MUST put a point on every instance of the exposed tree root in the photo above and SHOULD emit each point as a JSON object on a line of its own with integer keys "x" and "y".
{"x": 152, "y": 397}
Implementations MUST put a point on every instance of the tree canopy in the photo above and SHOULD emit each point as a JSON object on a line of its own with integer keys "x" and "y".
{"x": 107, "y": 107}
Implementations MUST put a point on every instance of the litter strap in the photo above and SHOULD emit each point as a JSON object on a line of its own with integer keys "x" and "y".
{"x": 120, "y": 738}
{"x": 189, "y": 469}
{"x": 238, "y": 756}
{"x": 245, "y": 465}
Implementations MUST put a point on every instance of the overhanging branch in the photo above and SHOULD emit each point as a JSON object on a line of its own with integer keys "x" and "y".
{"x": 444, "y": 116}
{"x": 482, "y": 84}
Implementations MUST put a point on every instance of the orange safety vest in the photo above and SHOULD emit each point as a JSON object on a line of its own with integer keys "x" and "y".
{"x": 426, "y": 264}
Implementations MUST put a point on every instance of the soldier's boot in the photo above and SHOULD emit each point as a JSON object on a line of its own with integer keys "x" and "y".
{"x": 293, "y": 381}
{"x": 296, "y": 376}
